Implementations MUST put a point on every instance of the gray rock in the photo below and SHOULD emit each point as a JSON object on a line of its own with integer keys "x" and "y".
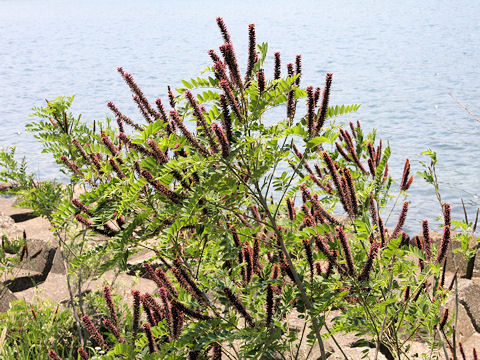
{"x": 40, "y": 255}
{"x": 54, "y": 288}
{"x": 22, "y": 280}
{"x": 9, "y": 228}
{"x": 34, "y": 268}
{"x": 58, "y": 266}
{"x": 5, "y": 186}
{"x": 7, "y": 207}
{"x": 472, "y": 342}
{"x": 468, "y": 317}
{"x": 6, "y": 296}
{"x": 470, "y": 300}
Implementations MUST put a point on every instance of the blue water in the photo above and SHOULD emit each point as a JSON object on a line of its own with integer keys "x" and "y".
{"x": 399, "y": 59}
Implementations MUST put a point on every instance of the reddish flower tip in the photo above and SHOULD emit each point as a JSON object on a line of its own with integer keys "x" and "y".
{"x": 52, "y": 354}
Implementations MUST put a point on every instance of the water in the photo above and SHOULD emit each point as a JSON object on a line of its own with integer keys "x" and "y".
{"x": 398, "y": 59}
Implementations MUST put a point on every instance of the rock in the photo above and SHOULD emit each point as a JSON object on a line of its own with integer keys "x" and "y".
{"x": 5, "y": 186}
{"x": 40, "y": 256}
{"x": 141, "y": 257}
{"x": 136, "y": 261}
{"x": 21, "y": 281}
{"x": 122, "y": 284}
{"x": 472, "y": 342}
{"x": 468, "y": 318}
{"x": 470, "y": 300}
{"x": 58, "y": 266}
{"x": 15, "y": 273}
{"x": 6, "y": 296}
{"x": 465, "y": 328}
{"x": 7, "y": 206}
{"x": 54, "y": 288}
{"x": 34, "y": 268}
{"x": 24, "y": 219}
{"x": 342, "y": 219}
{"x": 38, "y": 227}
{"x": 24, "y": 216}
{"x": 9, "y": 228}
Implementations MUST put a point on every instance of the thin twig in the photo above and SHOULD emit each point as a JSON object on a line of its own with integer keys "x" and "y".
{"x": 464, "y": 107}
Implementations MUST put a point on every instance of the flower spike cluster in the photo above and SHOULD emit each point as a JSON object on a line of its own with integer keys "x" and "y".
{"x": 322, "y": 113}
{"x": 401, "y": 221}
{"x": 237, "y": 304}
{"x": 406, "y": 180}
{"x": 231, "y": 61}
{"x": 364, "y": 275}
{"x": 252, "y": 53}
{"x": 198, "y": 113}
{"x": 93, "y": 331}
{"x": 231, "y": 98}
{"x": 277, "y": 66}
{"x": 223, "y": 30}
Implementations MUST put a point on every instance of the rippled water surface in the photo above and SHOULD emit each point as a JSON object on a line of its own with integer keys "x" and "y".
{"x": 399, "y": 59}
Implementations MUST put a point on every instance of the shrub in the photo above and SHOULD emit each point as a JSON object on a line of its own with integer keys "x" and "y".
{"x": 207, "y": 186}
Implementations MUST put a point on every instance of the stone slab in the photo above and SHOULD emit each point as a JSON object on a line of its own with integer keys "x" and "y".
{"x": 9, "y": 228}
{"x": 6, "y": 296}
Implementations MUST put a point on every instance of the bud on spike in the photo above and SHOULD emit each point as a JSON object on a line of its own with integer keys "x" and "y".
{"x": 261, "y": 80}
{"x": 406, "y": 172}
{"x": 298, "y": 69}
{"x": 251, "y": 52}
{"x": 443, "y": 322}
{"x": 223, "y": 30}
{"x": 427, "y": 241}
{"x": 92, "y": 330}
{"x": 53, "y": 355}
{"x": 238, "y": 306}
{"x": 151, "y": 340}
{"x": 369, "y": 263}
{"x": 269, "y": 305}
{"x": 444, "y": 244}
{"x": 310, "y": 111}
{"x": 401, "y": 221}
{"x": 291, "y": 209}
{"x": 277, "y": 66}
{"x": 111, "y": 307}
{"x": 231, "y": 99}
{"x": 222, "y": 139}
{"x": 227, "y": 120}
{"x": 447, "y": 209}
{"x": 322, "y": 113}
{"x": 346, "y": 249}
{"x": 462, "y": 351}
{"x": 231, "y": 61}
{"x": 113, "y": 329}
{"x": 83, "y": 354}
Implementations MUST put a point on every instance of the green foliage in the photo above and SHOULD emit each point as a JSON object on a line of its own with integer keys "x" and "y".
{"x": 465, "y": 236}
{"x": 57, "y": 127}
{"x": 32, "y": 330}
{"x": 10, "y": 256}
{"x": 43, "y": 197}
{"x": 14, "y": 172}
{"x": 429, "y": 173}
